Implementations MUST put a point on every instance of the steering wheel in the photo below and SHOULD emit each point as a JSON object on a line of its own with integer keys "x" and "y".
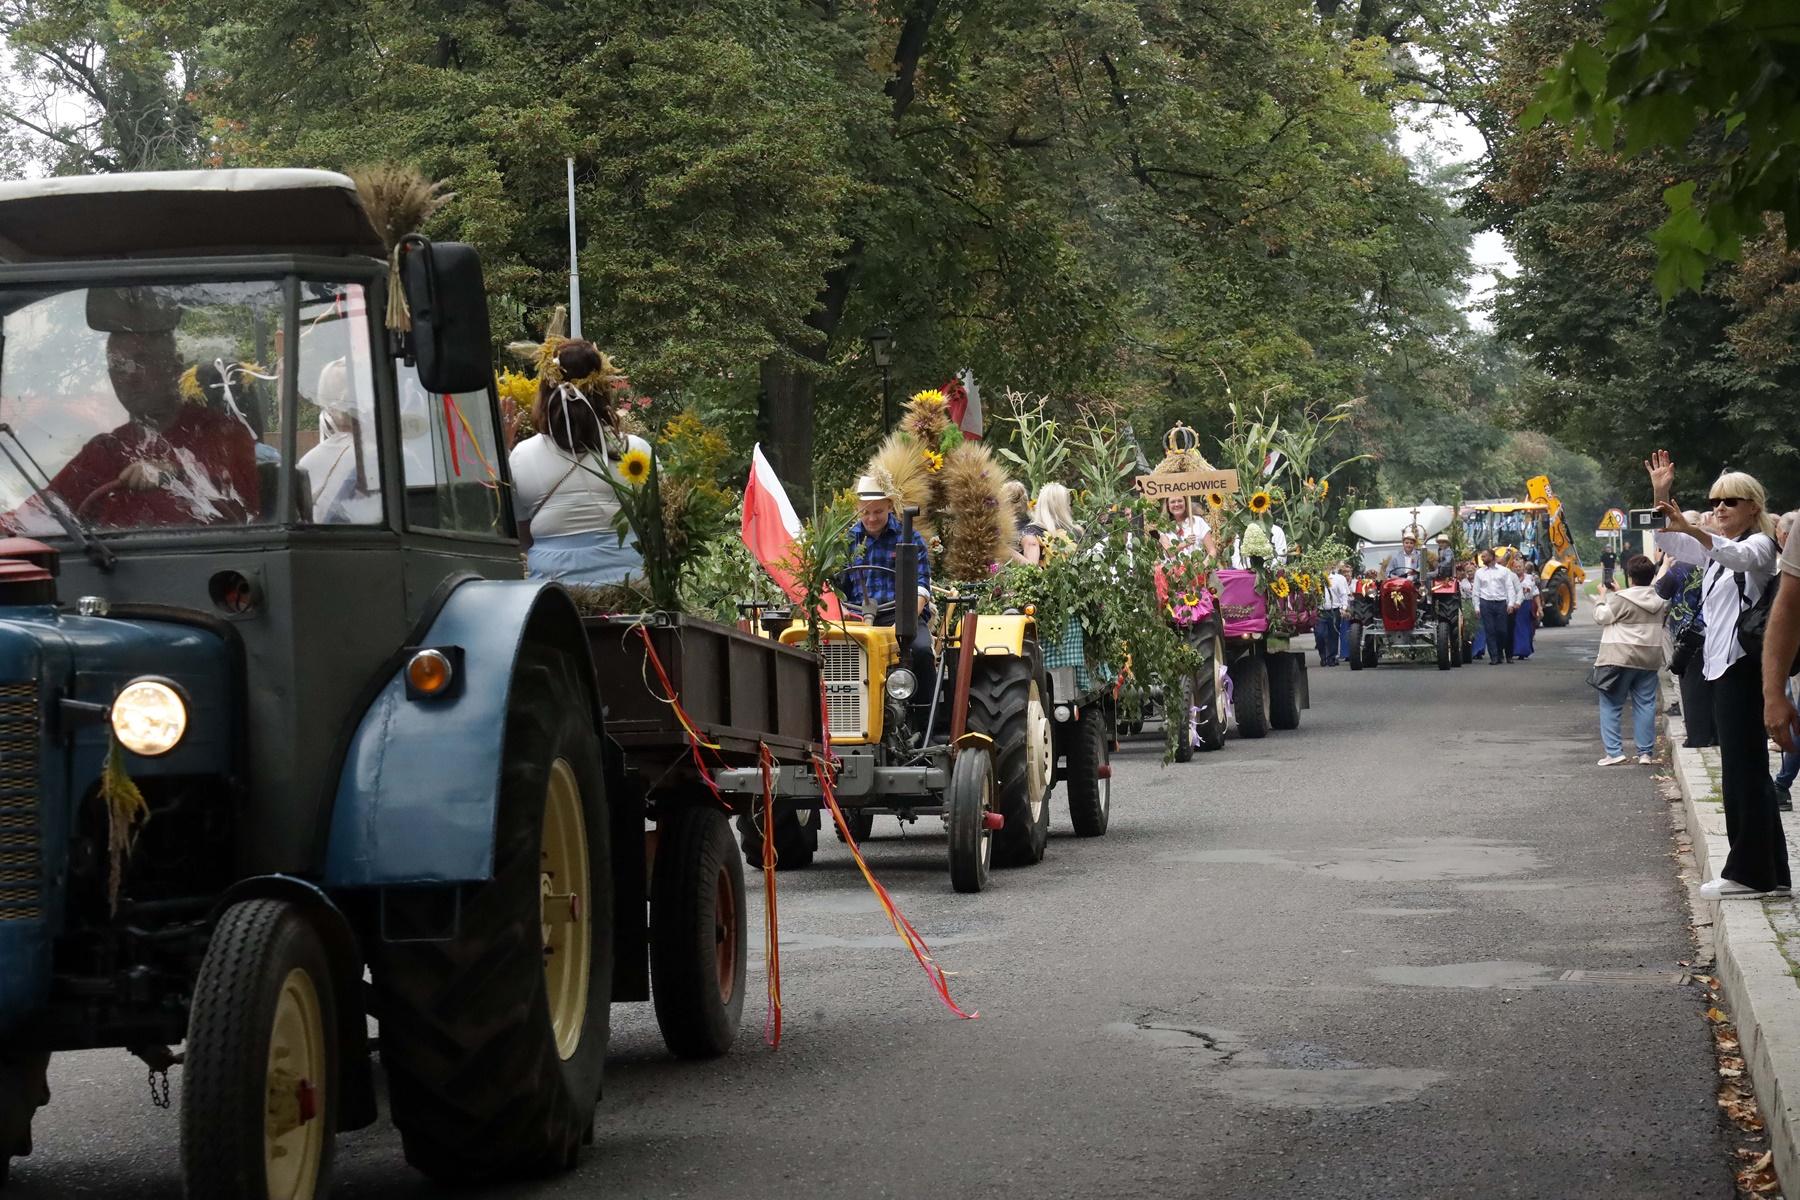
{"x": 94, "y": 497}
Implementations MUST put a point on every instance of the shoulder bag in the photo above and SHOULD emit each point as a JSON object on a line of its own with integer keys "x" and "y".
{"x": 1753, "y": 620}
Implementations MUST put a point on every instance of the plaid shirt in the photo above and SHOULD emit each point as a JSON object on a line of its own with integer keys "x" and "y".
{"x": 862, "y": 588}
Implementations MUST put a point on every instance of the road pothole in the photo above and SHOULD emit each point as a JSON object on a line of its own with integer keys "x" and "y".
{"x": 1342, "y": 1090}
{"x": 1289, "y": 1074}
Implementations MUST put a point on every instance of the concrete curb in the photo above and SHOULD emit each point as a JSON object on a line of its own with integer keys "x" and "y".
{"x": 1757, "y": 979}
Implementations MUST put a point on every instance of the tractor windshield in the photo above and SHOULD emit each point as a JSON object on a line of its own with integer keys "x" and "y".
{"x": 139, "y": 406}
{"x": 159, "y": 406}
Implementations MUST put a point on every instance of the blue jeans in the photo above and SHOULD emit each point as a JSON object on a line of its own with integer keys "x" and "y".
{"x": 1327, "y": 636}
{"x": 1790, "y": 763}
{"x": 1640, "y": 687}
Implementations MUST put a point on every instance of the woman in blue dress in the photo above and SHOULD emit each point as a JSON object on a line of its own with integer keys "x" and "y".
{"x": 1525, "y": 620}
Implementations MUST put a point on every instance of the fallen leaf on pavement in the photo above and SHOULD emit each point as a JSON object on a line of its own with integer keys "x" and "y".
{"x": 1715, "y": 1014}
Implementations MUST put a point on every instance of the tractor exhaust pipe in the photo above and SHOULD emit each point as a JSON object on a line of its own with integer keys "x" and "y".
{"x": 906, "y": 580}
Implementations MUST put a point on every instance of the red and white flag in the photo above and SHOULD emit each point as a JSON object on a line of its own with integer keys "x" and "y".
{"x": 771, "y": 528}
{"x": 970, "y": 420}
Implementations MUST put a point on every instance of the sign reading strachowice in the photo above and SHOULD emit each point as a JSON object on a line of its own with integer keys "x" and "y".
{"x": 1193, "y": 483}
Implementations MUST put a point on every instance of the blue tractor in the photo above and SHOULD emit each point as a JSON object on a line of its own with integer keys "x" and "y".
{"x": 278, "y": 711}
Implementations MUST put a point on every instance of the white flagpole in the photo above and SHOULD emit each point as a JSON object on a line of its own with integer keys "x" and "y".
{"x": 574, "y": 266}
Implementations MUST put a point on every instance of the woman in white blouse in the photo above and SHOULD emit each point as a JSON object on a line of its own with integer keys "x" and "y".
{"x": 1187, "y": 530}
{"x": 1738, "y": 556}
{"x": 565, "y": 478}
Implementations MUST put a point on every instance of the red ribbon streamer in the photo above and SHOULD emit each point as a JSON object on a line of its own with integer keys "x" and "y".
{"x": 694, "y": 740}
{"x": 771, "y": 939}
{"x": 450, "y": 429}
{"x": 940, "y": 982}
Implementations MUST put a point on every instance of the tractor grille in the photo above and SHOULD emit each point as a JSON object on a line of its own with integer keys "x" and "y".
{"x": 846, "y": 689}
{"x": 21, "y": 839}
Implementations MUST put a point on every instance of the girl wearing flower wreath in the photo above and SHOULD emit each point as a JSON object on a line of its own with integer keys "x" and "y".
{"x": 566, "y": 478}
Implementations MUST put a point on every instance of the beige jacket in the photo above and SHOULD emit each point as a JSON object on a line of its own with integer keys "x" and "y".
{"x": 1631, "y": 629}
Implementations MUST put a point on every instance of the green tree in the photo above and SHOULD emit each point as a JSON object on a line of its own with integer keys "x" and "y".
{"x": 1712, "y": 84}
{"x": 1623, "y": 372}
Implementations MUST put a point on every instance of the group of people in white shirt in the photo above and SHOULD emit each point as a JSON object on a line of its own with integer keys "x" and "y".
{"x": 1508, "y": 604}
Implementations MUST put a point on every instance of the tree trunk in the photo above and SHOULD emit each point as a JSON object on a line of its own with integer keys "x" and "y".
{"x": 786, "y": 425}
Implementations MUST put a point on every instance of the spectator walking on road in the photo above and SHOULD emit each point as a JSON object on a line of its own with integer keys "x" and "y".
{"x": 1496, "y": 596}
{"x": 1632, "y": 649}
{"x": 1608, "y": 561}
{"x": 1738, "y": 557}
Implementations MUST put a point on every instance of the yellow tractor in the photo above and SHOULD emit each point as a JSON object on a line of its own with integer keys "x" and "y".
{"x": 1536, "y": 528}
{"x": 977, "y": 750}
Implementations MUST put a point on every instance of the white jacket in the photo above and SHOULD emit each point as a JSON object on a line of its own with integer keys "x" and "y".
{"x": 1631, "y": 629}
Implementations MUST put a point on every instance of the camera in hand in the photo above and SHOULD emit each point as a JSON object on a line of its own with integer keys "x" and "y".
{"x": 1647, "y": 518}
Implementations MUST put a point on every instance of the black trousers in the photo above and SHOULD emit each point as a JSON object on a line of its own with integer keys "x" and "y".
{"x": 1496, "y": 626}
{"x": 1697, "y": 704}
{"x": 1758, "y": 857}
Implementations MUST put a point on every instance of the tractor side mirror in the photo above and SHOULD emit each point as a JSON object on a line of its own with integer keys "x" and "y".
{"x": 450, "y": 342}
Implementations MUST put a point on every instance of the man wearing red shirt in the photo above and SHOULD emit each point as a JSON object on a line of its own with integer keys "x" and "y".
{"x": 173, "y": 463}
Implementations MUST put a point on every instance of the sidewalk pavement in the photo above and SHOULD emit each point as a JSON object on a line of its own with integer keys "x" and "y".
{"x": 1757, "y": 945}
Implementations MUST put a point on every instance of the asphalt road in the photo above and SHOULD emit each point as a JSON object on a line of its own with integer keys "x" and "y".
{"x": 1333, "y": 963}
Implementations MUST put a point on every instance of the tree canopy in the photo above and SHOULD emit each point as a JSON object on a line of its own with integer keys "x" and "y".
{"x": 1154, "y": 208}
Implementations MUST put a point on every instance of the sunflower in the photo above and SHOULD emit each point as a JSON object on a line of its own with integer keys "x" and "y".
{"x": 190, "y": 388}
{"x": 1259, "y": 503}
{"x": 1215, "y": 500}
{"x": 934, "y": 462}
{"x": 1280, "y": 587}
{"x": 634, "y": 468}
{"x": 1305, "y": 581}
{"x": 1324, "y": 488}
{"x": 930, "y": 397}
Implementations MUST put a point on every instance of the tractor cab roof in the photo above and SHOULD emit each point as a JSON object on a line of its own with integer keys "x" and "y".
{"x": 1506, "y": 506}
{"x": 1390, "y": 524}
{"x": 160, "y": 214}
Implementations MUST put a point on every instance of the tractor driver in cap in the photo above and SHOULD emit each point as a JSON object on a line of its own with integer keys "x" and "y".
{"x": 173, "y": 462}
{"x": 1410, "y": 561}
{"x": 870, "y": 582}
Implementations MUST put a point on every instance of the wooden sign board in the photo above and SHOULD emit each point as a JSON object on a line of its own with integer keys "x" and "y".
{"x": 1191, "y": 484}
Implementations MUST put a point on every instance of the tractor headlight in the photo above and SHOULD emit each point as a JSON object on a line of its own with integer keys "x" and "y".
{"x": 149, "y": 717}
{"x": 901, "y": 684}
{"x": 1063, "y": 712}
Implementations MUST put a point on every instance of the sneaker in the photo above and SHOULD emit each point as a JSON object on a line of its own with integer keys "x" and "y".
{"x": 1784, "y": 799}
{"x": 1728, "y": 889}
{"x": 1611, "y": 761}
{"x": 1644, "y": 760}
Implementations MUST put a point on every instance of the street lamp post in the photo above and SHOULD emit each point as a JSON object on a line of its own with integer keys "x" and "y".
{"x": 881, "y": 345}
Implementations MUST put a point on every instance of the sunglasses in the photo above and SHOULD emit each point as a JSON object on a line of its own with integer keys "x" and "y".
{"x": 1727, "y": 501}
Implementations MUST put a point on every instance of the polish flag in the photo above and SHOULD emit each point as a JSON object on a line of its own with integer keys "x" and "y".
{"x": 970, "y": 420}
{"x": 771, "y": 528}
